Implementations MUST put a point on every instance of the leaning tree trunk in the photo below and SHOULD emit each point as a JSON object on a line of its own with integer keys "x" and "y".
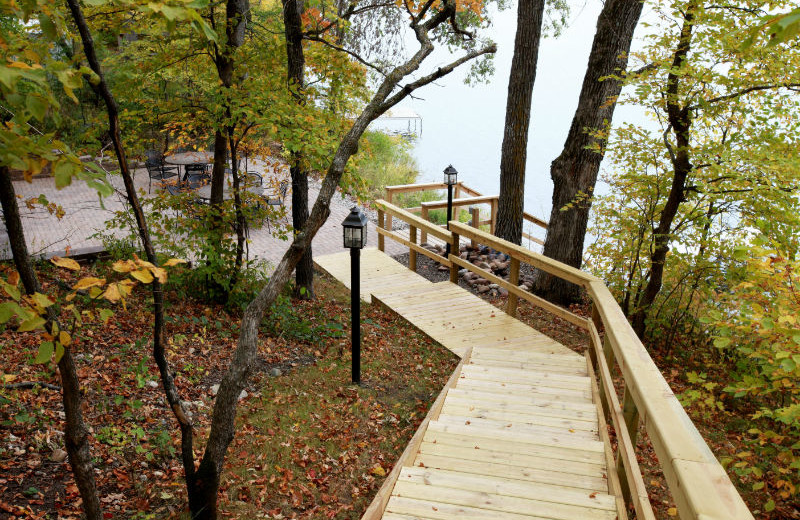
{"x": 235, "y": 378}
{"x": 680, "y": 120}
{"x": 167, "y": 381}
{"x": 76, "y": 435}
{"x": 514, "y": 151}
{"x": 574, "y": 172}
{"x": 293, "y": 26}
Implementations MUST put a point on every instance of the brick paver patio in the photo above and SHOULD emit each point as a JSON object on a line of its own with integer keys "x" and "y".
{"x": 85, "y": 216}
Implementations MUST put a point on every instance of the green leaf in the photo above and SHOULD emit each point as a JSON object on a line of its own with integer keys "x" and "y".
{"x": 59, "y": 352}
{"x": 769, "y": 505}
{"x": 45, "y": 353}
{"x": 105, "y": 314}
{"x": 11, "y": 290}
{"x": 37, "y": 106}
{"x": 722, "y": 342}
{"x": 42, "y": 300}
{"x": 34, "y": 323}
{"x": 8, "y": 310}
{"x": 63, "y": 172}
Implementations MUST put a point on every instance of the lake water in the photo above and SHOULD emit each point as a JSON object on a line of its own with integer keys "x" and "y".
{"x": 463, "y": 125}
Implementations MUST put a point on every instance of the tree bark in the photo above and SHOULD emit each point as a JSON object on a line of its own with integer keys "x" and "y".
{"x": 293, "y": 26}
{"x": 574, "y": 171}
{"x": 223, "y": 421}
{"x": 76, "y": 435}
{"x": 514, "y": 151}
{"x": 167, "y": 381}
{"x": 680, "y": 120}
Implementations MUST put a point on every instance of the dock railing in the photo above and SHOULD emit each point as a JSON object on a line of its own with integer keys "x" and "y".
{"x": 473, "y": 199}
{"x": 699, "y": 485}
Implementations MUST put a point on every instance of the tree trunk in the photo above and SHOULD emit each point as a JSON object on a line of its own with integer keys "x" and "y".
{"x": 76, "y": 436}
{"x": 680, "y": 120}
{"x": 293, "y": 26}
{"x": 235, "y": 378}
{"x": 574, "y": 172}
{"x": 518, "y": 115}
{"x": 167, "y": 381}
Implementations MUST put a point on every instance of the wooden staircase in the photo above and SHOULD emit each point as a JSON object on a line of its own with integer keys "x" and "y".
{"x": 515, "y": 432}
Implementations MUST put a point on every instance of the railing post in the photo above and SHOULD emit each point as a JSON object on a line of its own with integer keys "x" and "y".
{"x": 424, "y": 234}
{"x": 493, "y": 217}
{"x": 380, "y": 225}
{"x": 455, "y": 251}
{"x": 389, "y": 197}
{"x": 475, "y": 211}
{"x": 457, "y": 195}
{"x": 631, "y": 416}
{"x": 513, "y": 279}
{"x": 412, "y": 254}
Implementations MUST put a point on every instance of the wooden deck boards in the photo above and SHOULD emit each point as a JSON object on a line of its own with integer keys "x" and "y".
{"x": 516, "y": 434}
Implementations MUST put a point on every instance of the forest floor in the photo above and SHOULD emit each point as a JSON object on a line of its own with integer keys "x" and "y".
{"x": 309, "y": 444}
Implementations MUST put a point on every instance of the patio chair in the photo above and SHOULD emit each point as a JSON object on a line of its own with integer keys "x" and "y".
{"x": 194, "y": 180}
{"x": 158, "y": 171}
{"x": 277, "y": 199}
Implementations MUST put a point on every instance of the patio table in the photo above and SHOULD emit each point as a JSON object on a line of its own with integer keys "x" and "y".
{"x": 186, "y": 158}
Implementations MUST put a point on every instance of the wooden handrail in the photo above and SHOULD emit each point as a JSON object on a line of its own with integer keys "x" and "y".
{"x": 439, "y": 204}
{"x": 411, "y": 219}
{"x": 553, "y": 267}
{"x": 700, "y": 486}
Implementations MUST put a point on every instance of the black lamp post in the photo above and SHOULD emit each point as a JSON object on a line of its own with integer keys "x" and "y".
{"x": 355, "y": 238}
{"x": 450, "y": 178}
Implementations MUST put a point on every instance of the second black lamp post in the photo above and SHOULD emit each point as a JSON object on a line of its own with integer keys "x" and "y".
{"x": 450, "y": 178}
{"x": 355, "y": 238}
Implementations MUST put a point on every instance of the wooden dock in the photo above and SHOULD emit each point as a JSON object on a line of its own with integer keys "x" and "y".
{"x": 515, "y": 434}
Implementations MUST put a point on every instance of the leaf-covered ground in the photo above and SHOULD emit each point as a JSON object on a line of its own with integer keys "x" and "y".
{"x": 308, "y": 445}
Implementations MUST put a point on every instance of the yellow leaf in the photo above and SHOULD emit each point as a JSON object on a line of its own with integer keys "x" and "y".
{"x": 124, "y": 266}
{"x": 66, "y": 263}
{"x": 174, "y": 261}
{"x": 378, "y": 471}
{"x": 13, "y": 278}
{"x": 112, "y": 293}
{"x": 142, "y": 263}
{"x": 143, "y": 275}
{"x": 64, "y": 338}
{"x": 672, "y": 511}
{"x": 159, "y": 273}
{"x": 89, "y": 281}
{"x": 7, "y": 378}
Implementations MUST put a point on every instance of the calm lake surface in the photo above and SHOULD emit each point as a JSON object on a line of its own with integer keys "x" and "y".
{"x": 463, "y": 125}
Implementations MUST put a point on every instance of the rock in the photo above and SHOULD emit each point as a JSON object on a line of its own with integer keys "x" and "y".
{"x": 58, "y": 455}
{"x": 189, "y": 414}
{"x": 214, "y": 389}
{"x": 484, "y": 265}
{"x": 493, "y": 286}
{"x": 482, "y": 281}
{"x": 493, "y": 265}
{"x": 191, "y": 350}
{"x": 494, "y": 292}
{"x": 462, "y": 272}
{"x": 152, "y": 384}
{"x": 483, "y": 289}
{"x": 463, "y": 256}
{"x": 503, "y": 292}
{"x": 275, "y": 372}
{"x": 443, "y": 268}
{"x": 243, "y": 395}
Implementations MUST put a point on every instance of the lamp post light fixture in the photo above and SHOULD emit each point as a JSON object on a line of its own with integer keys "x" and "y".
{"x": 450, "y": 178}
{"x": 355, "y": 238}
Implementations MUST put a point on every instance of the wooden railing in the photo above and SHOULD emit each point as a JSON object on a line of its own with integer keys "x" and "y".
{"x": 474, "y": 199}
{"x": 697, "y": 481}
